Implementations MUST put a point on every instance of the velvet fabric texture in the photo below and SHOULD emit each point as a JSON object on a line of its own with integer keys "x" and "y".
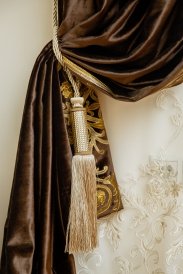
{"x": 134, "y": 46}
{"x": 34, "y": 238}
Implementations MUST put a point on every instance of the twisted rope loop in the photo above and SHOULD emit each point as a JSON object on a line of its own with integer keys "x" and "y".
{"x": 57, "y": 52}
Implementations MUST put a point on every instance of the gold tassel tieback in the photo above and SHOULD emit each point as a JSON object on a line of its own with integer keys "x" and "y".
{"x": 82, "y": 225}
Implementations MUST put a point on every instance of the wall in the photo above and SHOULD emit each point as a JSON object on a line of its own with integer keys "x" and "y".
{"x": 25, "y": 27}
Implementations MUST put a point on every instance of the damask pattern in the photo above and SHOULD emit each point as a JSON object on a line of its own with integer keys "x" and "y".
{"x": 146, "y": 237}
{"x": 108, "y": 195}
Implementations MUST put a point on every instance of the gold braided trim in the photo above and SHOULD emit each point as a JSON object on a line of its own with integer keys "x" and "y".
{"x": 77, "y": 109}
{"x": 89, "y": 152}
{"x": 178, "y": 78}
{"x": 85, "y": 74}
{"x": 176, "y": 81}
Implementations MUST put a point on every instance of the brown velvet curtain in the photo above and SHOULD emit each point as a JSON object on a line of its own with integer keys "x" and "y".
{"x": 135, "y": 47}
{"x": 34, "y": 238}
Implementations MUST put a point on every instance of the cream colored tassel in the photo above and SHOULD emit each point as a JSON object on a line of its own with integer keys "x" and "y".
{"x": 82, "y": 224}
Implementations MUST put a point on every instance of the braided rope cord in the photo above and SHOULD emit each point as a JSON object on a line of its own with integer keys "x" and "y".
{"x": 57, "y": 52}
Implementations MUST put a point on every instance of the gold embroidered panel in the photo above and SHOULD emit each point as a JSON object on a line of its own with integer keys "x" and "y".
{"x": 108, "y": 195}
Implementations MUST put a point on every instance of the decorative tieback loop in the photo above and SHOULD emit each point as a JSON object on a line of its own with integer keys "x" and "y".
{"x": 81, "y": 233}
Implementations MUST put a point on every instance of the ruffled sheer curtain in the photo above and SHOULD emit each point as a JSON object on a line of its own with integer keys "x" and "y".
{"x": 146, "y": 237}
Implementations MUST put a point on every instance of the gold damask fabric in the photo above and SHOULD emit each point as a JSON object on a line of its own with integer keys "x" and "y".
{"x": 108, "y": 195}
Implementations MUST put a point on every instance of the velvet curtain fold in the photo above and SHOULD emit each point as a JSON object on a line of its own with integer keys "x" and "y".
{"x": 135, "y": 47}
{"x": 34, "y": 238}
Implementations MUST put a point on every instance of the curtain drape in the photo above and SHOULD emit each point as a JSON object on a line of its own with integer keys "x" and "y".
{"x": 34, "y": 238}
{"x": 135, "y": 48}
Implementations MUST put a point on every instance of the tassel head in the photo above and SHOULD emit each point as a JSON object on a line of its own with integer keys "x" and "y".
{"x": 79, "y": 126}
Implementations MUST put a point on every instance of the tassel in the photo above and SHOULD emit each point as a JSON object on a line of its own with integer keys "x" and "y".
{"x": 82, "y": 225}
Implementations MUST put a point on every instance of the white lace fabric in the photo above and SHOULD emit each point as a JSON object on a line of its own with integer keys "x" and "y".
{"x": 146, "y": 141}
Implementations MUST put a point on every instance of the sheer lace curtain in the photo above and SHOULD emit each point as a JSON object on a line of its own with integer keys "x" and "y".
{"x": 146, "y": 140}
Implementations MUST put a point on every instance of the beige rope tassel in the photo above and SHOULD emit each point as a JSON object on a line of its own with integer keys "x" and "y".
{"x": 81, "y": 233}
{"x": 82, "y": 225}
